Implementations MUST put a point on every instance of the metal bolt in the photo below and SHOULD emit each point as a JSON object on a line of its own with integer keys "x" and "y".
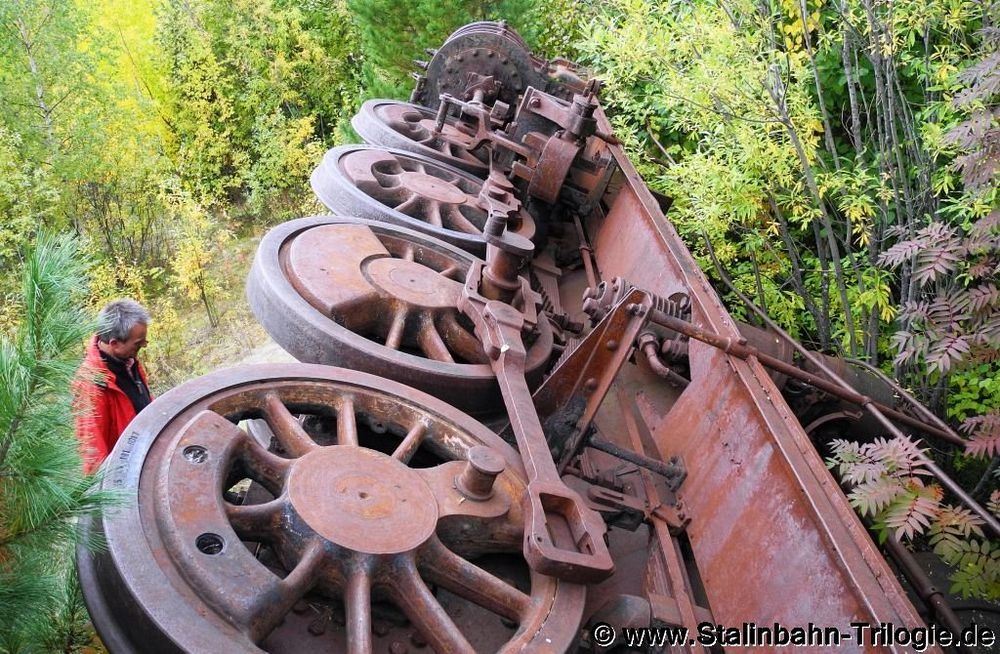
{"x": 612, "y": 344}
{"x": 481, "y": 470}
{"x": 590, "y": 384}
{"x": 535, "y": 102}
{"x": 398, "y": 648}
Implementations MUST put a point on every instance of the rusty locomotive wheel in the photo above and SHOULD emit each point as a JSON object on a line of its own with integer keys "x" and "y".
{"x": 410, "y": 127}
{"x": 377, "y": 514}
{"x": 377, "y": 297}
{"x": 411, "y": 190}
{"x": 489, "y": 50}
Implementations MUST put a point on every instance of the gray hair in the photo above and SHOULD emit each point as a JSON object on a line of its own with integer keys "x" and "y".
{"x": 118, "y": 317}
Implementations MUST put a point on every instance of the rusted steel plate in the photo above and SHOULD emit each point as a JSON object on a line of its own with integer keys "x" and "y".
{"x": 760, "y": 498}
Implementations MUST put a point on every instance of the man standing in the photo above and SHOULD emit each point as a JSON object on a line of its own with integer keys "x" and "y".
{"x": 110, "y": 387}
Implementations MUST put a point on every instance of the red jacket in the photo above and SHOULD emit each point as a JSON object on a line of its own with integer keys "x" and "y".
{"x": 101, "y": 409}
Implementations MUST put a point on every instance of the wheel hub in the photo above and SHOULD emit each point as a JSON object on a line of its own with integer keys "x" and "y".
{"x": 413, "y": 283}
{"x": 432, "y": 188}
{"x": 362, "y": 500}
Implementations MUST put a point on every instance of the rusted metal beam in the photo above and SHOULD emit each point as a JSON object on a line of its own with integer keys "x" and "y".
{"x": 924, "y": 587}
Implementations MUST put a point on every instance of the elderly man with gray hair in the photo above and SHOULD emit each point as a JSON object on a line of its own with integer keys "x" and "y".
{"x": 110, "y": 387}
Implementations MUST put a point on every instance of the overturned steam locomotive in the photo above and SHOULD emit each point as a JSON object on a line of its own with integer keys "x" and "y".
{"x": 522, "y": 421}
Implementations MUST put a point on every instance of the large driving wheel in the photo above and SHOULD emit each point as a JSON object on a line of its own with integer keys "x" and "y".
{"x": 410, "y": 190}
{"x": 376, "y": 297}
{"x": 410, "y": 127}
{"x": 370, "y": 520}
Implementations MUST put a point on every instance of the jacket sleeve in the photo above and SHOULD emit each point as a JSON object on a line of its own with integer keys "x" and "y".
{"x": 91, "y": 416}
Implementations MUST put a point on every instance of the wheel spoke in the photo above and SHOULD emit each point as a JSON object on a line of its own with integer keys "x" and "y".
{"x": 431, "y": 342}
{"x": 451, "y": 178}
{"x": 458, "y": 221}
{"x": 255, "y": 521}
{"x": 434, "y": 213}
{"x": 347, "y": 426}
{"x": 358, "y": 609}
{"x": 464, "y": 344}
{"x": 445, "y": 568}
{"x": 394, "y": 338}
{"x": 410, "y": 443}
{"x": 265, "y": 468}
{"x": 455, "y": 272}
{"x": 270, "y": 608}
{"x": 410, "y": 206}
{"x": 286, "y": 427}
{"x": 424, "y": 611}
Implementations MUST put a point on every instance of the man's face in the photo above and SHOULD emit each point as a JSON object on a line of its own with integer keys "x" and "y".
{"x": 130, "y": 347}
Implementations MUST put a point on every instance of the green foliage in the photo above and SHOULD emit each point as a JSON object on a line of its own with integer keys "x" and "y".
{"x": 47, "y": 96}
{"x": 957, "y": 537}
{"x": 199, "y": 240}
{"x": 723, "y": 121}
{"x": 885, "y": 484}
{"x": 43, "y": 491}
{"x": 783, "y": 133}
{"x": 255, "y": 91}
{"x": 974, "y": 391}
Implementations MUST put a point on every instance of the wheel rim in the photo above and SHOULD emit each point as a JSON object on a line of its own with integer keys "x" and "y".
{"x": 411, "y": 190}
{"x": 340, "y": 517}
{"x": 377, "y": 297}
{"x": 410, "y": 127}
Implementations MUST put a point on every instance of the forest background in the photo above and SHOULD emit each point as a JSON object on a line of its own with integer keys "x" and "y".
{"x": 838, "y": 158}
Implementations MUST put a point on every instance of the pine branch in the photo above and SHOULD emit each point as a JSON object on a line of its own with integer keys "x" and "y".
{"x": 43, "y": 491}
